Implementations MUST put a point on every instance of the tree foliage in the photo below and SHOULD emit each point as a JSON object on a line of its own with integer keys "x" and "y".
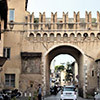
{"x": 59, "y": 68}
{"x": 36, "y": 20}
{"x": 69, "y": 72}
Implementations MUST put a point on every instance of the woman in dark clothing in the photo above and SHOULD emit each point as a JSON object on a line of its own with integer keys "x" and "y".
{"x": 39, "y": 92}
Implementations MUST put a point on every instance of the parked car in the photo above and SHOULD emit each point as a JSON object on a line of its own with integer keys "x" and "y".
{"x": 68, "y": 93}
{"x": 97, "y": 95}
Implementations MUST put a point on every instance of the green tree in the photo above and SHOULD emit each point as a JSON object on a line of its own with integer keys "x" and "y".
{"x": 69, "y": 72}
{"x": 59, "y": 68}
{"x": 93, "y": 20}
{"x": 36, "y": 20}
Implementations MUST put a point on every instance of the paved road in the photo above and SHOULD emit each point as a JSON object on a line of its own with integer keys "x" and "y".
{"x": 52, "y": 97}
{"x": 57, "y": 97}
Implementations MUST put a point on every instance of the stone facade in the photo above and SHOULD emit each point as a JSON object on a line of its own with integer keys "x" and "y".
{"x": 79, "y": 37}
{"x": 1, "y": 37}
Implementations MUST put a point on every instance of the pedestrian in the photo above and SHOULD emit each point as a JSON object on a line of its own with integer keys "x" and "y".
{"x": 39, "y": 92}
{"x": 55, "y": 89}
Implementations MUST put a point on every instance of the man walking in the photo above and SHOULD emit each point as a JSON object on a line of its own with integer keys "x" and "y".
{"x": 39, "y": 92}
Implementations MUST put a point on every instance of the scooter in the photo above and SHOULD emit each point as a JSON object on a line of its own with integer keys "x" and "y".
{"x": 7, "y": 94}
{"x": 15, "y": 93}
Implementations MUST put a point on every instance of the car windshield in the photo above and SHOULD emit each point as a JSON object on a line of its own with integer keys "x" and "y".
{"x": 68, "y": 89}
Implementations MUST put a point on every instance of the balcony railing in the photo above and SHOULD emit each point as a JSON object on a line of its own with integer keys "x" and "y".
{"x": 62, "y": 27}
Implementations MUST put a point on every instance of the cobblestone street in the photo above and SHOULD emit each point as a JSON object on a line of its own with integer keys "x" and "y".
{"x": 52, "y": 97}
{"x": 57, "y": 97}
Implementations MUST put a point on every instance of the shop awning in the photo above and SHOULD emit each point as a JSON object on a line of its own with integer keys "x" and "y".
{"x": 2, "y": 61}
{"x": 30, "y": 54}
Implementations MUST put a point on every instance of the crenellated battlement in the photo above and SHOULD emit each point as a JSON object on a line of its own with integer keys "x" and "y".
{"x": 59, "y": 24}
{"x": 43, "y": 23}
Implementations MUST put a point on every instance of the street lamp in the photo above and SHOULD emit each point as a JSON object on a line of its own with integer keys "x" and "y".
{"x": 11, "y": 25}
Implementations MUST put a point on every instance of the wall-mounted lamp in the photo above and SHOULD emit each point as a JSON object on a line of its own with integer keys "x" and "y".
{"x": 11, "y": 25}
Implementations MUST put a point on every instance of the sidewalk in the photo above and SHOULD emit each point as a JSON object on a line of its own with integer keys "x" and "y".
{"x": 80, "y": 98}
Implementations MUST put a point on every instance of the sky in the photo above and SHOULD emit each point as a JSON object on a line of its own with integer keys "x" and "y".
{"x": 60, "y": 6}
{"x": 61, "y": 59}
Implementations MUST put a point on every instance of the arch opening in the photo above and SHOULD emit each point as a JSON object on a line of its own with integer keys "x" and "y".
{"x": 65, "y": 50}
{"x": 63, "y": 71}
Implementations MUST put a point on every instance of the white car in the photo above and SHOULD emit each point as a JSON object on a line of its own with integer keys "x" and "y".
{"x": 68, "y": 93}
{"x": 97, "y": 96}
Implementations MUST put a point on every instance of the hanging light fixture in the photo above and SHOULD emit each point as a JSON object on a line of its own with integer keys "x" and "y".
{"x": 11, "y": 25}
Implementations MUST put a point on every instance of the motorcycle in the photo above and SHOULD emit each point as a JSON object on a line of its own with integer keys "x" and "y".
{"x": 1, "y": 96}
{"x": 7, "y": 94}
{"x": 15, "y": 93}
{"x": 52, "y": 90}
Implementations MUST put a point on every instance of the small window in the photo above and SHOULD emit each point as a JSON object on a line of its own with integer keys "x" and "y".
{"x": 11, "y": 14}
{"x": 10, "y": 80}
{"x": 92, "y": 73}
{"x": 6, "y": 53}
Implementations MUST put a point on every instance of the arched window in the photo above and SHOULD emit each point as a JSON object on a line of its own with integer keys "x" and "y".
{"x": 92, "y": 36}
{"x": 93, "y": 73}
{"x": 58, "y": 37}
{"x": 72, "y": 36}
{"x": 98, "y": 36}
{"x": 38, "y": 37}
{"x": 31, "y": 36}
{"x": 85, "y": 36}
{"x": 52, "y": 37}
{"x": 45, "y": 38}
{"x": 65, "y": 36}
{"x": 79, "y": 37}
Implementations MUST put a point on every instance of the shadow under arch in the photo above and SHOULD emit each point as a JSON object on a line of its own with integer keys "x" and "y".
{"x": 65, "y": 49}
{"x": 60, "y": 45}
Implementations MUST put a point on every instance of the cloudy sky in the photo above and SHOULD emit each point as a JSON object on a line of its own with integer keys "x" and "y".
{"x": 59, "y": 6}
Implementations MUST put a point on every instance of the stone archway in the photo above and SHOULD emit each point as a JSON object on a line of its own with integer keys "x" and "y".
{"x": 65, "y": 49}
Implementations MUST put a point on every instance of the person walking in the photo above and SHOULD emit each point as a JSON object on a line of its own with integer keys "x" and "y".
{"x": 55, "y": 89}
{"x": 39, "y": 92}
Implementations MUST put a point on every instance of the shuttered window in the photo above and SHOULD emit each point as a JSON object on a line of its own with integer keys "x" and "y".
{"x": 6, "y": 53}
{"x": 11, "y": 14}
{"x": 10, "y": 80}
